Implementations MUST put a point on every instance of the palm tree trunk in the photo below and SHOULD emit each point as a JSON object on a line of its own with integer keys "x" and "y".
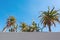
{"x": 49, "y": 29}
{"x": 4, "y": 30}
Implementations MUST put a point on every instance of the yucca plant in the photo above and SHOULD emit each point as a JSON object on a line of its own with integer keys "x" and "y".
{"x": 49, "y": 17}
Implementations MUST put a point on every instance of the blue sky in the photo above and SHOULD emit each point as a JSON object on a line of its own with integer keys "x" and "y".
{"x": 26, "y": 10}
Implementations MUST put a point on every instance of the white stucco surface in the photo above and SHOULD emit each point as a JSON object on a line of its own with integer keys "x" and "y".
{"x": 30, "y": 36}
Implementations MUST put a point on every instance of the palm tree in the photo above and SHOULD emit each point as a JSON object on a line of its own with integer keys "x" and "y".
{"x": 10, "y": 22}
{"x": 49, "y": 17}
{"x": 11, "y": 30}
{"x": 34, "y": 27}
{"x": 24, "y": 27}
{"x": 14, "y": 28}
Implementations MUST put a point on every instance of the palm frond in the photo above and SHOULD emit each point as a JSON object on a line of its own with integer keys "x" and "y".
{"x": 52, "y": 10}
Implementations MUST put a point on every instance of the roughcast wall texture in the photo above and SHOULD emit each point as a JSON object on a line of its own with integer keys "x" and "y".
{"x": 29, "y": 36}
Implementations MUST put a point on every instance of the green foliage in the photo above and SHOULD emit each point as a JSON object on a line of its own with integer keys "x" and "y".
{"x": 49, "y": 17}
{"x": 46, "y": 18}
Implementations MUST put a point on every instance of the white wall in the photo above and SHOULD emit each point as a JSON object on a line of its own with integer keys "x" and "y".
{"x": 30, "y": 36}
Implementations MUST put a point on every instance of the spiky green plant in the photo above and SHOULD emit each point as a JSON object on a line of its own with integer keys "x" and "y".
{"x": 10, "y": 22}
{"x": 23, "y": 27}
{"x": 49, "y": 17}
